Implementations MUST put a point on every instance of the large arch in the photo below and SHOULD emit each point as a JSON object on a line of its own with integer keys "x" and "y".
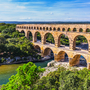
{"x": 61, "y": 56}
{"x": 48, "y": 52}
{"x": 48, "y": 37}
{"x": 79, "y": 43}
{"x": 30, "y": 36}
{"x": 22, "y": 32}
{"x": 37, "y": 47}
{"x": 37, "y": 36}
{"x": 63, "y": 39}
{"x": 78, "y": 60}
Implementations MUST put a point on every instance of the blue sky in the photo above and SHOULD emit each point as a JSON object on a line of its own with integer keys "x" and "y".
{"x": 44, "y": 10}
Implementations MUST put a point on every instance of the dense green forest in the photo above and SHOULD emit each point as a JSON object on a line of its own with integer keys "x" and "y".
{"x": 14, "y": 43}
{"x": 28, "y": 78}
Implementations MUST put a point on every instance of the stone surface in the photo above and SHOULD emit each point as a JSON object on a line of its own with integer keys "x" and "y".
{"x": 57, "y": 30}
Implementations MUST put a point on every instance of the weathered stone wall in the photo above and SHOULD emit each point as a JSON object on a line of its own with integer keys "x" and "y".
{"x": 57, "y": 30}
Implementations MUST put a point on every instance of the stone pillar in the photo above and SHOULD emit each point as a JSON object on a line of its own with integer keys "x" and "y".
{"x": 26, "y": 35}
{"x": 88, "y": 65}
{"x": 56, "y": 41}
{"x": 71, "y": 45}
{"x": 89, "y": 46}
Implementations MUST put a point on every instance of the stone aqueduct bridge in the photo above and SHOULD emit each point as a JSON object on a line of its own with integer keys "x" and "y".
{"x": 57, "y": 30}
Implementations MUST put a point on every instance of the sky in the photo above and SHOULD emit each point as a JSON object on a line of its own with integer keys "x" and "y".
{"x": 44, "y": 10}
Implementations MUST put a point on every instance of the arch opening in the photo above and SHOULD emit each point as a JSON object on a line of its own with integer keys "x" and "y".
{"x": 74, "y": 30}
{"x": 22, "y": 33}
{"x": 80, "y": 30}
{"x": 62, "y": 57}
{"x": 30, "y": 37}
{"x": 49, "y": 38}
{"x": 37, "y": 37}
{"x": 40, "y": 28}
{"x": 63, "y": 40}
{"x": 63, "y": 29}
{"x": 37, "y": 48}
{"x": 68, "y": 30}
{"x": 54, "y": 29}
{"x": 80, "y": 43}
{"x": 58, "y": 29}
{"x": 48, "y": 53}
{"x": 87, "y": 30}
{"x": 78, "y": 60}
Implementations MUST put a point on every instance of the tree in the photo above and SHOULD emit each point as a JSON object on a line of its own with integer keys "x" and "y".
{"x": 27, "y": 75}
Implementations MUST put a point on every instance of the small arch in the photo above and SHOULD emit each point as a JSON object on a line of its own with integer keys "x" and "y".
{"x": 68, "y": 30}
{"x": 54, "y": 29}
{"x": 34, "y": 27}
{"x": 46, "y": 28}
{"x": 37, "y": 47}
{"x": 58, "y": 29}
{"x": 63, "y": 29}
{"x": 43, "y": 28}
{"x": 29, "y": 27}
{"x": 74, "y": 30}
{"x": 40, "y": 28}
{"x": 62, "y": 56}
{"x": 48, "y": 52}
{"x": 87, "y": 30}
{"x": 50, "y": 28}
{"x": 22, "y": 27}
{"x": 80, "y": 30}
{"x": 37, "y": 28}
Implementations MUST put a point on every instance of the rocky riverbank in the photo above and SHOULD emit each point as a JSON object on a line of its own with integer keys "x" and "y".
{"x": 53, "y": 66}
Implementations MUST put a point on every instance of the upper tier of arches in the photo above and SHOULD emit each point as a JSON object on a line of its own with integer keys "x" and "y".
{"x": 55, "y": 28}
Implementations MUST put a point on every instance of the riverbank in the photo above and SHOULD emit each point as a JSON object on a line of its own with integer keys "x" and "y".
{"x": 53, "y": 66}
{"x": 9, "y": 62}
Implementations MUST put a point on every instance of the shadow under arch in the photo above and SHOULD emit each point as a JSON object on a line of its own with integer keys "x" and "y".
{"x": 37, "y": 47}
{"x": 37, "y": 36}
{"x": 62, "y": 56}
{"x": 80, "y": 42}
{"x": 48, "y": 52}
{"x": 30, "y": 36}
{"x": 63, "y": 40}
{"x": 22, "y": 32}
{"x": 78, "y": 60}
{"x": 48, "y": 37}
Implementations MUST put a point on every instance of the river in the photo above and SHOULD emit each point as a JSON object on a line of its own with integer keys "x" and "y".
{"x": 6, "y": 71}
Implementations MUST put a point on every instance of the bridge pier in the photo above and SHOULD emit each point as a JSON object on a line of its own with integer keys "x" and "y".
{"x": 88, "y": 65}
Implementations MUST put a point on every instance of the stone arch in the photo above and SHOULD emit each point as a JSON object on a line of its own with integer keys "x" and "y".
{"x": 54, "y": 29}
{"x": 50, "y": 28}
{"x": 47, "y": 52}
{"x": 29, "y": 28}
{"x": 34, "y": 27}
{"x": 87, "y": 30}
{"x": 74, "y": 42}
{"x": 76, "y": 60}
{"x": 63, "y": 29}
{"x": 40, "y": 28}
{"x": 61, "y": 56}
{"x": 74, "y": 30}
{"x": 68, "y": 30}
{"x": 80, "y": 30}
{"x": 46, "y": 28}
{"x": 60, "y": 36}
{"x": 30, "y": 35}
{"x": 58, "y": 29}
{"x": 23, "y": 32}
{"x": 37, "y": 47}
{"x": 45, "y": 36}
{"x": 37, "y": 28}
{"x": 35, "y": 36}
{"x": 43, "y": 28}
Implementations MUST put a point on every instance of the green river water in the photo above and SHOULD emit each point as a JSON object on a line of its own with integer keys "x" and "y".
{"x": 6, "y": 71}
